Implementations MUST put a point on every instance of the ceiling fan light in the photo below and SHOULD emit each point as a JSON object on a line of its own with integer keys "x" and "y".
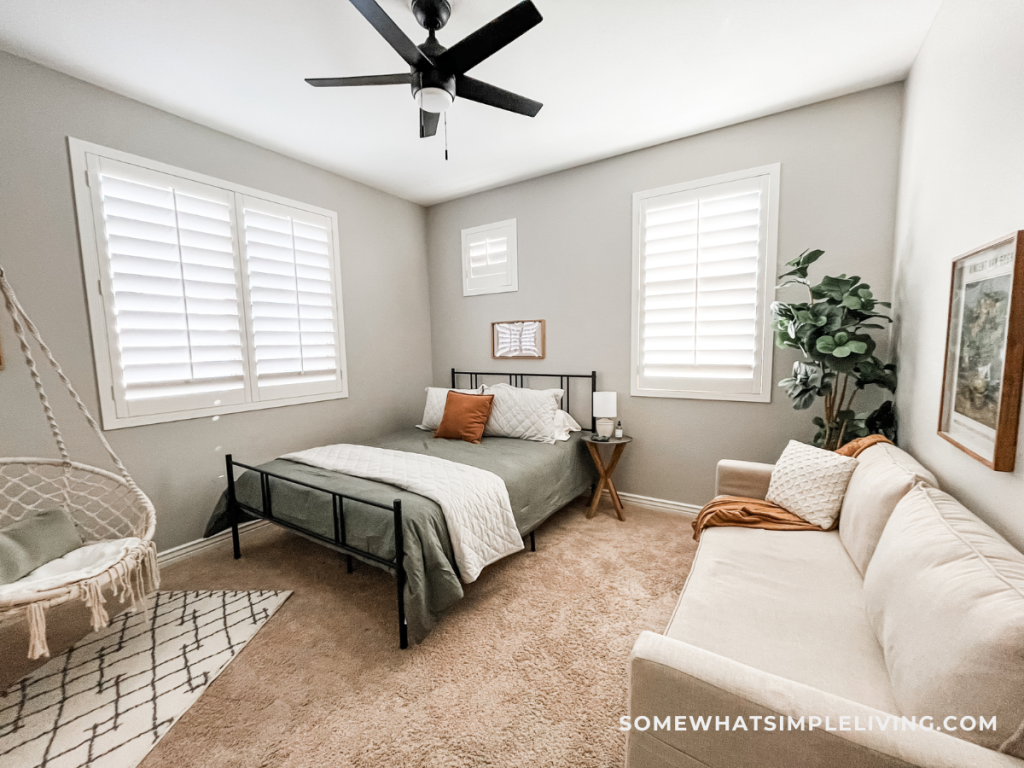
{"x": 434, "y": 99}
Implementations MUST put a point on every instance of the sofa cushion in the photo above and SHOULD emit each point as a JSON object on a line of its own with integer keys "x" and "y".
{"x": 810, "y": 482}
{"x": 945, "y": 596}
{"x": 883, "y": 476}
{"x": 786, "y": 602}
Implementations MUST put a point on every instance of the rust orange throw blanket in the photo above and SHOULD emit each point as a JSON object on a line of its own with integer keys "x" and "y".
{"x": 757, "y": 513}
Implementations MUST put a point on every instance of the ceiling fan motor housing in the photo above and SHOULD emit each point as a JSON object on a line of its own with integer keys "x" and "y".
{"x": 431, "y": 14}
{"x": 433, "y": 90}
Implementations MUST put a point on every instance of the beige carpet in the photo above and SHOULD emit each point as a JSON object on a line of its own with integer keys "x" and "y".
{"x": 528, "y": 670}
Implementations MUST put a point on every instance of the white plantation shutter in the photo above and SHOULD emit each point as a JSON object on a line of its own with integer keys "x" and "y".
{"x": 171, "y": 277}
{"x": 489, "y": 258}
{"x": 702, "y": 268}
{"x": 205, "y": 297}
{"x": 290, "y": 269}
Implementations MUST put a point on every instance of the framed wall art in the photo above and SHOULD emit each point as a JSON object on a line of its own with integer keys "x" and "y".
{"x": 517, "y": 338}
{"x": 981, "y": 386}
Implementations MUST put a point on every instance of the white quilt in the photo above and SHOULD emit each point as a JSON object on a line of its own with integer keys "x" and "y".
{"x": 474, "y": 501}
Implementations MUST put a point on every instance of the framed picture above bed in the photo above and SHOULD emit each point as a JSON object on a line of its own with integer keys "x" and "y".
{"x": 518, "y": 339}
{"x": 981, "y": 388}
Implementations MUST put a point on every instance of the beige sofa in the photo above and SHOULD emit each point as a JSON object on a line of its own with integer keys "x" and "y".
{"x": 912, "y": 608}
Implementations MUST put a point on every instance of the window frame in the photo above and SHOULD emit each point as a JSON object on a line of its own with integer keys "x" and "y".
{"x": 763, "y": 384}
{"x": 103, "y": 332}
{"x": 512, "y": 235}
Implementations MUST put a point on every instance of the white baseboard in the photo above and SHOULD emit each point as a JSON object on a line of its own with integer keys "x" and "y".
{"x": 174, "y": 554}
{"x": 678, "y": 507}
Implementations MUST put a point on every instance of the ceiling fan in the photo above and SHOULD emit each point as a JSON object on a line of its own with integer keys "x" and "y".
{"x": 438, "y": 74}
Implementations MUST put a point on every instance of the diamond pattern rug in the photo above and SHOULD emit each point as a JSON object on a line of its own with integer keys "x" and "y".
{"x": 108, "y": 700}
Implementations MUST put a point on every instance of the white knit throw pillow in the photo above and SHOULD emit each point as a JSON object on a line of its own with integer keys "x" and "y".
{"x": 811, "y": 482}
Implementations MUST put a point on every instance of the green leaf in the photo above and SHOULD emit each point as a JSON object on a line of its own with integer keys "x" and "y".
{"x": 842, "y": 352}
{"x": 826, "y": 345}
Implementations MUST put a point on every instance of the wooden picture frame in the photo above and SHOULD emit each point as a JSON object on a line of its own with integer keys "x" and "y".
{"x": 984, "y": 367}
{"x": 518, "y": 339}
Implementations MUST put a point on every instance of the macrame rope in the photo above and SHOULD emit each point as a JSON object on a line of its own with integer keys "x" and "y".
{"x": 19, "y": 316}
{"x": 137, "y": 573}
{"x": 37, "y": 646}
{"x": 16, "y": 312}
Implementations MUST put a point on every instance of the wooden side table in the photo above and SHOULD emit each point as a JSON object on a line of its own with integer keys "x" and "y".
{"x": 606, "y": 471}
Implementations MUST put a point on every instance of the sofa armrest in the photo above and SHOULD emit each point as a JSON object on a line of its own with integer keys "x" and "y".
{"x": 670, "y": 678}
{"x": 743, "y": 478}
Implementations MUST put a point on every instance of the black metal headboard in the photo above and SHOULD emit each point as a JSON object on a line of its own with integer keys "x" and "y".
{"x": 519, "y": 380}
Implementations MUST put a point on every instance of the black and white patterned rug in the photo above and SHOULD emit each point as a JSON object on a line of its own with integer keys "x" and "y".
{"x": 108, "y": 701}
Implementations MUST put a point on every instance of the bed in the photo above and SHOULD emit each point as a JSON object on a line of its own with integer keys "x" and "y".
{"x": 400, "y": 531}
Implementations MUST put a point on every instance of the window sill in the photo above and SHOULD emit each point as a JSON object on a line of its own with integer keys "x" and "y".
{"x": 111, "y": 421}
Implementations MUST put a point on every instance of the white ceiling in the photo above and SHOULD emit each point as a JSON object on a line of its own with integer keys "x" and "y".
{"x": 614, "y": 76}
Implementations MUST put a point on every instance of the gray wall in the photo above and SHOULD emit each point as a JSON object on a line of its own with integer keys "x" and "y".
{"x": 961, "y": 185}
{"x": 180, "y": 465}
{"x": 838, "y": 192}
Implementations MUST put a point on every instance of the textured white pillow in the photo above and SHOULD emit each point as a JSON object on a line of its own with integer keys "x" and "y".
{"x": 434, "y": 410}
{"x": 810, "y": 482}
{"x": 945, "y": 596}
{"x": 527, "y": 414}
{"x": 565, "y": 425}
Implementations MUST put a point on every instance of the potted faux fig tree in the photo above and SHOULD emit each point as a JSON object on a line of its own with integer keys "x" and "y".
{"x": 833, "y": 332}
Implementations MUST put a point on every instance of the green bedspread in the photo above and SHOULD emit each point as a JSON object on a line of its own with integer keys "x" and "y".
{"x": 540, "y": 478}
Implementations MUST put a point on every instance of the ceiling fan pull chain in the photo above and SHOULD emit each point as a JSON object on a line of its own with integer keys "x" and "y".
{"x": 446, "y": 137}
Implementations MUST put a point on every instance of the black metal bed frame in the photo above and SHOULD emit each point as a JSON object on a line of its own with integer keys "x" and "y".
{"x": 339, "y": 541}
{"x": 519, "y": 380}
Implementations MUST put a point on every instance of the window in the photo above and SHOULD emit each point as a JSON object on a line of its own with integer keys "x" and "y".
{"x": 489, "y": 259}
{"x": 204, "y": 297}
{"x": 703, "y": 267}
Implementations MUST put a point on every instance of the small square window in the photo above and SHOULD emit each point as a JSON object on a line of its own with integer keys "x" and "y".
{"x": 489, "y": 259}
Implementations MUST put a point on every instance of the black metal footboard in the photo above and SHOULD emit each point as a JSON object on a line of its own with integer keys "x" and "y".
{"x": 339, "y": 541}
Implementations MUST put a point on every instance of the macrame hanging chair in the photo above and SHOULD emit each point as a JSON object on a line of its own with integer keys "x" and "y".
{"x": 105, "y": 507}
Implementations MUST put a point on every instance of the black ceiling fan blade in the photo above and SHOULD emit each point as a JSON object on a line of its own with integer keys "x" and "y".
{"x": 493, "y": 96}
{"x": 490, "y": 38}
{"x": 391, "y": 32}
{"x": 334, "y": 82}
{"x": 428, "y": 123}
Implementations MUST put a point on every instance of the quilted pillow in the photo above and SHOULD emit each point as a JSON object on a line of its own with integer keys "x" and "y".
{"x": 811, "y": 483}
{"x": 526, "y": 414}
{"x": 434, "y": 410}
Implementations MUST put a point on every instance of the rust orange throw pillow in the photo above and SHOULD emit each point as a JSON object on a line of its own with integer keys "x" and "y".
{"x": 464, "y": 417}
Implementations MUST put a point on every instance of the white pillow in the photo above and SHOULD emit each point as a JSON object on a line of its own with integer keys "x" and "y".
{"x": 564, "y": 425}
{"x": 527, "y": 414}
{"x": 811, "y": 482}
{"x": 433, "y": 412}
